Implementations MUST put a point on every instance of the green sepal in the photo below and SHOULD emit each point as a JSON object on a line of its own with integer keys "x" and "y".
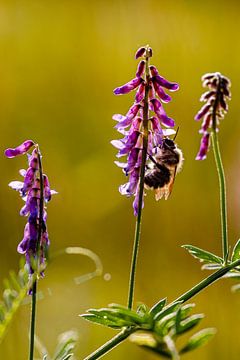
{"x": 198, "y": 339}
{"x": 203, "y": 255}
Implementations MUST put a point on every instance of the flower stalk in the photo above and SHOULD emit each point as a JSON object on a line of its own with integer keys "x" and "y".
{"x": 141, "y": 189}
{"x": 222, "y": 189}
{"x": 212, "y": 112}
{"x": 35, "y": 283}
{"x": 35, "y": 191}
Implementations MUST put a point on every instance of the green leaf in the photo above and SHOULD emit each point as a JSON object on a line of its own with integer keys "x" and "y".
{"x": 66, "y": 344}
{"x": 163, "y": 326}
{"x": 203, "y": 255}
{"x": 211, "y": 266}
{"x": 127, "y": 314}
{"x": 236, "y": 251}
{"x": 185, "y": 310}
{"x": 167, "y": 310}
{"x": 198, "y": 339}
{"x": 148, "y": 341}
{"x": 189, "y": 323}
{"x": 101, "y": 321}
{"x": 158, "y": 306}
{"x": 142, "y": 309}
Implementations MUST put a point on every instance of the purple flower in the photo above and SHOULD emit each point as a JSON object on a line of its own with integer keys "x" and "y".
{"x": 148, "y": 85}
{"x": 35, "y": 240}
{"x": 214, "y": 109}
{"x": 19, "y": 150}
{"x": 204, "y": 147}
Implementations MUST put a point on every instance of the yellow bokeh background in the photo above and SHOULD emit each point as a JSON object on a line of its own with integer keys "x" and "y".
{"x": 59, "y": 63}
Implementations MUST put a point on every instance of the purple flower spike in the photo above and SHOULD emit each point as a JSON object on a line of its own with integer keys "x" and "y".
{"x": 214, "y": 109}
{"x": 204, "y": 147}
{"x": 35, "y": 240}
{"x": 19, "y": 150}
{"x": 136, "y": 127}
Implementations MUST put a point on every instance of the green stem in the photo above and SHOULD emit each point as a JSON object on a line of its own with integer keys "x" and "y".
{"x": 33, "y": 320}
{"x": 34, "y": 286}
{"x": 207, "y": 281}
{"x": 110, "y": 344}
{"x": 141, "y": 190}
{"x": 222, "y": 185}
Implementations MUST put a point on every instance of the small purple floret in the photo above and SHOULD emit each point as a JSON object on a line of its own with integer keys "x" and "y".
{"x": 204, "y": 147}
{"x": 19, "y": 150}
{"x": 140, "y": 52}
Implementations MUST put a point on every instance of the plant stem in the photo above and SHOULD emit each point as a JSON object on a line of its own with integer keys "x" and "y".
{"x": 222, "y": 186}
{"x": 110, "y": 344}
{"x": 33, "y": 320}
{"x": 207, "y": 281}
{"x": 220, "y": 170}
{"x": 34, "y": 286}
{"x": 141, "y": 189}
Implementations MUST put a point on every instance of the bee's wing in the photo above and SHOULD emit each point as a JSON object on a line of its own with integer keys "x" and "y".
{"x": 171, "y": 182}
{"x": 166, "y": 190}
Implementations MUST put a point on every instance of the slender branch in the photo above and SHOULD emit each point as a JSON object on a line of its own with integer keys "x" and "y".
{"x": 207, "y": 281}
{"x": 110, "y": 344}
{"x": 141, "y": 189}
{"x": 34, "y": 286}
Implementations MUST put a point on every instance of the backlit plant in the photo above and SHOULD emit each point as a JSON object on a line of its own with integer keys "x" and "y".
{"x": 146, "y": 143}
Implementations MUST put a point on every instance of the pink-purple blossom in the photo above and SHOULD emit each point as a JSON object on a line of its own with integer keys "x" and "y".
{"x": 148, "y": 81}
{"x": 35, "y": 240}
{"x": 214, "y": 109}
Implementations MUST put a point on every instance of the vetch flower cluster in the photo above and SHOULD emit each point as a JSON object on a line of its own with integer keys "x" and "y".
{"x": 142, "y": 131}
{"x": 35, "y": 190}
{"x": 214, "y": 109}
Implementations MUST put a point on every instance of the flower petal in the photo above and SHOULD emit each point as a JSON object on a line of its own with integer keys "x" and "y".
{"x": 126, "y": 88}
{"x": 204, "y": 147}
{"x": 140, "y": 52}
{"x": 19, "y": 150}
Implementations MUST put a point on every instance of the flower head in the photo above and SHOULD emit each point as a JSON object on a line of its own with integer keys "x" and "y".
{"x": 34, "y": 190}
{"x": 214, "y": 109}
{"x": 144, "y": 124}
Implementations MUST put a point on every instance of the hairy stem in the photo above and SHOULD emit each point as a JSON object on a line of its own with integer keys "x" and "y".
{"x": 222, "y": 187}
{"x": 110, "y": 344}
{"x": 141, "y": 190}
{"x": 34, "y": 286}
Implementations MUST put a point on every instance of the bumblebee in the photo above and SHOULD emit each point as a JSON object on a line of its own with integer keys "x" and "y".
{"x": 162, "y": 168}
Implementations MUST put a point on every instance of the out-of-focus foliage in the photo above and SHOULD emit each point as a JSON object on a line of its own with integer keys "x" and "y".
{"x": 60, "y": 61}
{"x": 64, "y": 349}
{"x": 16, "y": 287}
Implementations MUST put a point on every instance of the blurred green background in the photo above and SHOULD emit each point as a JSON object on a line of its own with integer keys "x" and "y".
{"x": 59, "y": 63}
